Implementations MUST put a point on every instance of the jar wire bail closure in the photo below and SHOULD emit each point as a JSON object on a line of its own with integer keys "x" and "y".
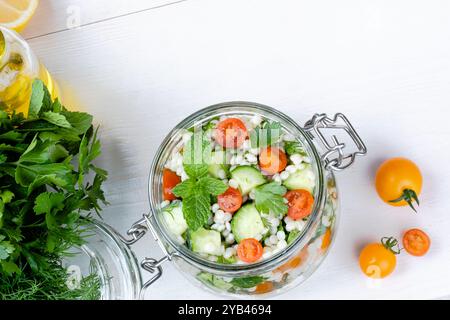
{"x": 334, "y": 158}
{"x": 152, "y": 265}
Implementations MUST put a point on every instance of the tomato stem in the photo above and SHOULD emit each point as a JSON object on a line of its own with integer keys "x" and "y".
{"x": 409, "y": 196}
{"x": 389, "y": 243}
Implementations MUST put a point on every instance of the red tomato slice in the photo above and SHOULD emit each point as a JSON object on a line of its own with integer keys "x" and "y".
{"x": 250, "y": 250}
{"x": 170, "y": 180}
{"x": 300, "y": 203}
{"x": 230, "y": 201}
{"x": 272, "y": 160}
{"x": 231, "y": 133}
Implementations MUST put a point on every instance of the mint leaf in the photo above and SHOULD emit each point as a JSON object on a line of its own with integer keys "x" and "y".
{"x": 37, "y": 98}
{"x": 197, "y": 155}
{"x": 196, "y": 196}
{"x": 47, "y": 201}
{"x": 294, "y": 147}
{"x": 185, "y": 188}
{"x": 266, "y": 134}
{"x": 212, "y": 186}
{"x": 247, "y": 282}
{"x": 196, "y": 170}
{"x": 56, "y": 118}
{"x": 196, "y": 210}
{"x": 269, "y": 199}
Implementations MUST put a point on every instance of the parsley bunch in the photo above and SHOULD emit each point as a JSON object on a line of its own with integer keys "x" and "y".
{"x": 45, "y": 186}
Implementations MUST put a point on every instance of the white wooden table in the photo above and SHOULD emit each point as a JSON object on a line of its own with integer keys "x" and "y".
{"x": 142, "y": 66}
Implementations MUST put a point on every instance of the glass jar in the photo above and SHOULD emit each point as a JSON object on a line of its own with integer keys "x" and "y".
{"x": 107, "y": 256}
{"x": 283, "y": 270}
{"x": 19, "y": 66}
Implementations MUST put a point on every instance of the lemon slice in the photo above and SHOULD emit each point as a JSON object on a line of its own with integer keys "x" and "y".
{"x": 15, "y": 14}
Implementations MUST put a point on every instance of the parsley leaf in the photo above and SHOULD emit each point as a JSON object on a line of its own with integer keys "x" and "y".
{"x": 269, "y": 198}
{"x": 47, "y": 201}
{"x": 294, "y": 147}
{"x": 37, "y": 97}
{"x": 266, "y": 134}
{"x": 56, "y": 118}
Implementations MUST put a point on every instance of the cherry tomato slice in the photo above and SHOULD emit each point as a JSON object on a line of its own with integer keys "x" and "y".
{"x": 250, "y": 250}
{"x": 230, "y": 201}
{"x": 300, "y": 203}
{"x": 170, "y": 180}
{"x": 416, "y": 242}
{"x": 272, "y": 160}
{"x": 231, "y": 133}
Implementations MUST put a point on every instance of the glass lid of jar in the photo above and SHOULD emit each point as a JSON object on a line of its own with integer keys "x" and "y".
{"x": 107, "y": 260}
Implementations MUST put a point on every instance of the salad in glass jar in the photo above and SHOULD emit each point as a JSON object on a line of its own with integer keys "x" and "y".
{"x": 237, "y": 190}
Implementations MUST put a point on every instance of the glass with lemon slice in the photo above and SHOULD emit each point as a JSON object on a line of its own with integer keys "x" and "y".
{"x": 18, "y": 67}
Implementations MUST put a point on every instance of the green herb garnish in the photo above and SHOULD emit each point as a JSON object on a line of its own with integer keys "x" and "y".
{"x": 247, "y": 282}
{"x": 49, "y": 185}
{"x": 266, "y": 134}
{"x": 292, "y": 236}
{"x": 294, "y": 147}
{"x": 269, "y": 199}
{"x": 198, "y": 189}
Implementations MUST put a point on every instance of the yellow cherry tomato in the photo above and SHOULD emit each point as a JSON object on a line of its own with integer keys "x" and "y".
{"x": 399, "y": 182}
{"x": 378, "y": 260}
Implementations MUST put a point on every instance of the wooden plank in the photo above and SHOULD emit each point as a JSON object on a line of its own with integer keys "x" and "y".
{"x": 56, "y": 15}
{"x": 386, "y": 66}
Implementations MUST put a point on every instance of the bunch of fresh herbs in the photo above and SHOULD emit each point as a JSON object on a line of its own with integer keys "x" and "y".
{"x": 46, "y": 195}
